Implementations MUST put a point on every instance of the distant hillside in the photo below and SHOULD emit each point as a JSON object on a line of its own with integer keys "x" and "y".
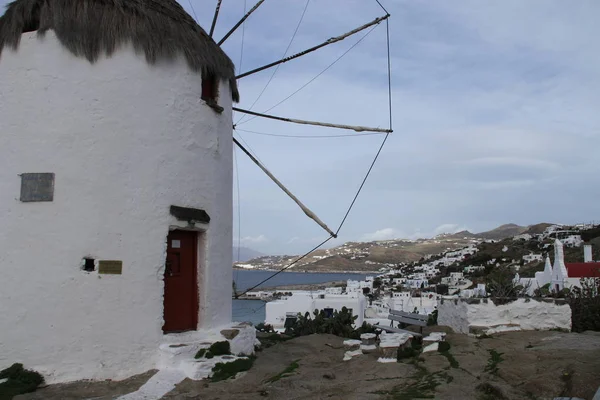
{"x": 367, "y": 257}
{"x": 245, "y": 254}
{"x": 537, "y": 229}
{"x": 385, "y": 254}
{"x": 503, "y": 232}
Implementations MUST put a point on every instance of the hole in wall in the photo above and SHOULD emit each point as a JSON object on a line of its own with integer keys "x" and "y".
{"x": 89, "y": 264}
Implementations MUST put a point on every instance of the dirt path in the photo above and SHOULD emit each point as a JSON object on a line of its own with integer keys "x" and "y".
{"x": 516, "y": 365}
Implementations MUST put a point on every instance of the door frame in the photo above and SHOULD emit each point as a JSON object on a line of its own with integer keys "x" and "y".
{"x": 198, "y": 241}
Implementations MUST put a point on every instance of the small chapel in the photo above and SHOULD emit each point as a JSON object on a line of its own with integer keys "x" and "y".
{"x": 115, "y": 186}
{"x": 561, "y": 275}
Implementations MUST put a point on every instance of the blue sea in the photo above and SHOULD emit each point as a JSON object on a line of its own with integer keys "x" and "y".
{"x": 254, "y": 310}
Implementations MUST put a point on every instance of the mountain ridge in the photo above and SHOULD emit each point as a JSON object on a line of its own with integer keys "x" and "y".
{"x": 377, "y": 255}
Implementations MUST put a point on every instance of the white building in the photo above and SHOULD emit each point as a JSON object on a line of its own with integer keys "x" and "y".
{"x": 403, "y": 301}
{"x": 115, "y": 186}
{"x": 301, "y": 302}
{"x": 416, "y": 283}
{"x": 358, "y": 286}
{"x": 478, "y": 291}
{"x": 473, "y": 268}
{"x": 531, "y": 257}
{"x": 454, "y": 279}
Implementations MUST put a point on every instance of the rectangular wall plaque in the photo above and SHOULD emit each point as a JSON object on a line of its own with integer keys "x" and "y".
{"x": 111, "y": 267}
{"x": 37, "y": 187}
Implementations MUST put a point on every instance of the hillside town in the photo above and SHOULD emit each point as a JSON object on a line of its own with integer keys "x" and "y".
{"x": 417, "y": 287}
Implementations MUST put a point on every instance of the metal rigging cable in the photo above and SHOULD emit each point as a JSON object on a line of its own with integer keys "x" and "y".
{"x": 313, "y": 79}
{"x": 277, "y": 68}
{"x": 286, "y": 267}
{"x": 309, "y": 136}
{"x": 389, "y": 71}
{"x": 243, "y": 36}
{"x": 193, "y": 10}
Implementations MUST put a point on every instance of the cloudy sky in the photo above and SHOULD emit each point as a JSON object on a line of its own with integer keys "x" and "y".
{"x": 494, "y": 107}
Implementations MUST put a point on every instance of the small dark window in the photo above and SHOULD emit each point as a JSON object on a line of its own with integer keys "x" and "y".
{"x": 328, "y": 312}
{"x": 210, "y": 92}
{"x": 89, "y": 264}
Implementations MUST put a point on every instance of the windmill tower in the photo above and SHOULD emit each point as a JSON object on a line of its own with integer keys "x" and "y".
{"x": 115, "y": 186}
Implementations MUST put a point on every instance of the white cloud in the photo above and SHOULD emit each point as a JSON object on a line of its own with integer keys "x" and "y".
{"x": 250, "y": 240}
{"x": 525, "y": 162}
{"x": 449, "y": 228}
{"x": 382, "y": 234}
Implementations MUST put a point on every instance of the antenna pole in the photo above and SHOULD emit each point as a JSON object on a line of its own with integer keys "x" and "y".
{"x": 241, "y": 21}
{"x": 328, "y": 42}
{"x": 325, "y": 124}
{"x": 308, "y": 213}
{"x": 214, "y": 23}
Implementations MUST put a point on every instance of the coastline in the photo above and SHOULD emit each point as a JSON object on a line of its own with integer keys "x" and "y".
{"x": 311, "y": 271}
{"x": 299, "y": 286}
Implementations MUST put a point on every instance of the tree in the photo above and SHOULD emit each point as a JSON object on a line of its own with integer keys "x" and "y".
{"x": 501, "y": 283}
{"x": 442, "y": 289}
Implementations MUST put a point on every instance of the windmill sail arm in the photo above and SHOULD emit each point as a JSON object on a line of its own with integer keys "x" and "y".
{"x": 241, "y": 21}
{"x": 306, "y": 210}
{"x": 214, "y": 22}
{"x": 327, "y": 42}
{"x": 325, "y": 124}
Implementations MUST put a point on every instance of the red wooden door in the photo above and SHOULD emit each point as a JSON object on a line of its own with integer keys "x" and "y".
{"x": 181, "y": 283}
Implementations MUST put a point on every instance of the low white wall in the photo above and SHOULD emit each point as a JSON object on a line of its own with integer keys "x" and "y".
{"x": 482, "y": 315}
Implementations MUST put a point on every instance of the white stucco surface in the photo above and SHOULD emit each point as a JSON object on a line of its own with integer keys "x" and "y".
{"x": 126, "y": 141}
{"x": 521, "y": 314}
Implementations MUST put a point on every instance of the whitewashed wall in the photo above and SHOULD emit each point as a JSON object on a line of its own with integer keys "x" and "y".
{"x": 125, "y": 141}
{"x": 467, "y": 315}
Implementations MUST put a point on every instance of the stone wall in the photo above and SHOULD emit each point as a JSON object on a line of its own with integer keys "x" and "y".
{"x": 500, "y": 315}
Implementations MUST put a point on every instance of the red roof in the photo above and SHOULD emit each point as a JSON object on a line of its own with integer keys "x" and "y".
{"x": 583, "y": 270}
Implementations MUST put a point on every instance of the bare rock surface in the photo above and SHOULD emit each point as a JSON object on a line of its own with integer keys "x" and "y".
{"x": 512, "y": 365}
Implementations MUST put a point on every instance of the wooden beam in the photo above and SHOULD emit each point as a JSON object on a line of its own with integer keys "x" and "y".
{"x": 241, "y": 21}
{"x": 214, "y": 22}
{"x": 325, "y": 124}
{"x": 328, "y": 42}
{"x": 308, "y": 213}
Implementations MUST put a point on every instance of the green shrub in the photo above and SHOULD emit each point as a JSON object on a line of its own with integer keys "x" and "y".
{"x": 19, "y": 381}
{"x": 222, "y": 371}
{"x": 215, "y": 349}
{"x": 443, "y": 347}
{"x": 432, "y": 319}
{"x": 340, "y": 324}
{"x": 201, "y": 353}
{"x": 262, "y": 327}
{"x": 585, "y": 306}
{"x": 407, "y": 352}
{"x": 286, "y": 372}
{"x": 220, "y": 348}
{"x": 493, "y": 361}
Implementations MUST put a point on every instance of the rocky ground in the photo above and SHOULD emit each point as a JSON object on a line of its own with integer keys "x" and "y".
{"x": 516, "y": 365}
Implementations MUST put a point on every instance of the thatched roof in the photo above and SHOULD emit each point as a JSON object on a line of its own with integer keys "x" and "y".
{"x": 160, "y": 29}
